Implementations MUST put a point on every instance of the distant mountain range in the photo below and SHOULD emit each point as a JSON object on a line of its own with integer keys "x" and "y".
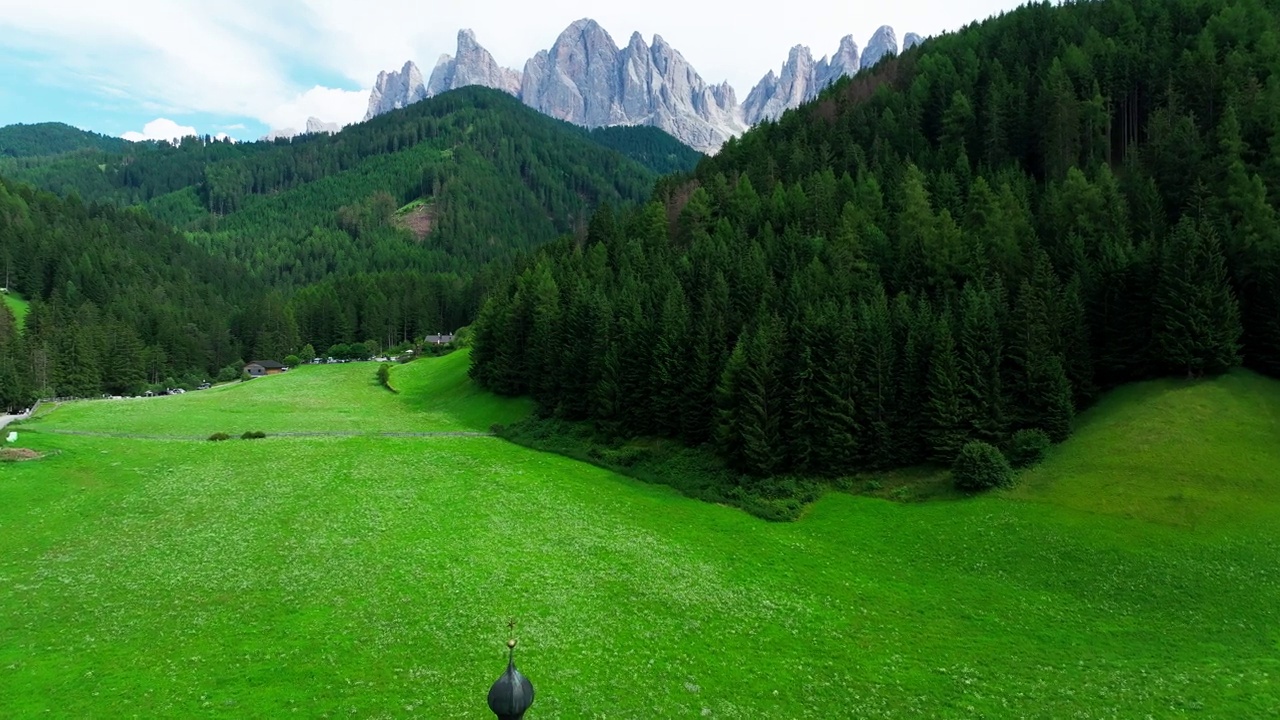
{"x": 586, "y": 79}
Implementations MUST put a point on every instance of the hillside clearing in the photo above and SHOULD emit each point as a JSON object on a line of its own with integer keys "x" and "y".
{"x": 17, "y": 306}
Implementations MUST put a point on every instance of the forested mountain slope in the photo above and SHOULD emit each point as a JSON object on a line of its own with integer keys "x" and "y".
{"x": 118, "y": 300}
{"x": 972, "y": 239}
{"x": 53, "y": 138}
{"x": 494, "y": 176}
{"x": 383, "y": 233}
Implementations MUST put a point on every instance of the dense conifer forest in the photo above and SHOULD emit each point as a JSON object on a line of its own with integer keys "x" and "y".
{"x": 972, "y": 239}
{"x": 52, "y": 138}
{"x": 118, "y": 300}
{"x": 391, "y": 230}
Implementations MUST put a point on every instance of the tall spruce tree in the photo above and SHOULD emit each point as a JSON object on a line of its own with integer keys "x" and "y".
{"x": 981, "y": 356}
{"x": 753, "y": 401}
{"x": 1197, "y": 321}
{"x": 877, "y": 401}
{"x": 944, "y": 432}
{"x": 831, "y": 338}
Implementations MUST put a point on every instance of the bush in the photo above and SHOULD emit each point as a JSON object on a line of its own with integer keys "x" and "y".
{"x": 253, "y": 435}
{"x": 219, "y": 437}
{"x": 1028, "y": 447}
{"x": 980, "y": 466}
{"x": 384, "y": 376}
{"x": 230, "y": 372}
{"x": 292, "y": 361}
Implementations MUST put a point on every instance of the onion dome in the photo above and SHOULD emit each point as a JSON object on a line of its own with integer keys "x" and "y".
{"x": 511, "y": 694}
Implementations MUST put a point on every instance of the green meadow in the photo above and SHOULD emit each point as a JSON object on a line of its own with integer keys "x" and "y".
{"x": 1134, "y": 574}
{"x": 434, "y": 396}
{"x": 17, "y": 306}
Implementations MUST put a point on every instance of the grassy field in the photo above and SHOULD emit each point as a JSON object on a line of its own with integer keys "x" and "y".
{"x": 18, "y": 306}
{"x": 433, "y": 396}
{"x": 373, "y": 576}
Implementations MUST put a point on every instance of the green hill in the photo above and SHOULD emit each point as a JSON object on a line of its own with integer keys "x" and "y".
{"x": 1197, "y": 455}
{"x": 54, "y": 138}
{"x": 303, "y": 241}
{"x": 118, "y": 300}
{"x": 649, "y": 146}
{"x": 499, "y": 177}
{"x": 317, "y": 575}
{"x": 967, "y": 241}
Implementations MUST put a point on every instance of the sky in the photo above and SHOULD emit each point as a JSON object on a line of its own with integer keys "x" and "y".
{"x": 154, "y": 69}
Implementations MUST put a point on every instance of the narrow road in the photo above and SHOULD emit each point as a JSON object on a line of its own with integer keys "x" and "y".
{"x": 6, "y": 419}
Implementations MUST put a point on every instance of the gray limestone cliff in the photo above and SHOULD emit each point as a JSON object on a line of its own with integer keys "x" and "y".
{"x": 316, "y": 126}
{"x": 394, "y": 90}
{"x": 473, "y": 65}
{"x": 846, "y": 61}
{"x": 586, "y": 79}
{"x": 800, "y": 81}
{"x": 882, "y": 44}
{"x": 910, "y": 40}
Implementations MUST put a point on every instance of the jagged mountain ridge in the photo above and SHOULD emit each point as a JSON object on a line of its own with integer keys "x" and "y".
{"x": 801, "y": 79}
{"x": 314, "y": 126}
{"x": 586, "y": 79}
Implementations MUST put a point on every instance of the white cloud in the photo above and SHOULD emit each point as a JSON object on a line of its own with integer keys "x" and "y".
{"x": 160, "y": 129}
{"x": 336, "y": 106}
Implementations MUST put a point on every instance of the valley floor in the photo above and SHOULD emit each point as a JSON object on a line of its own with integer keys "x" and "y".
{"x": 1134, "y": 574}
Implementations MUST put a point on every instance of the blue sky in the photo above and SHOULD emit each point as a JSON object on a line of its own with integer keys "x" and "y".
{"x": 242, "y": 67}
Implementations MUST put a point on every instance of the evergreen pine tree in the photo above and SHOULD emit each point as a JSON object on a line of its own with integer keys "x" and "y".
{"x": 981, "y": 355}
{"x": 752, "y": 400}
{"x": 671, "y": 365}
{"x": 878, "y": 358}
{"x": 834, "y": 347}
{"x": 803, "y": 418}
{"x": 1197, "y": 322}
{"x": 944, "y": 431}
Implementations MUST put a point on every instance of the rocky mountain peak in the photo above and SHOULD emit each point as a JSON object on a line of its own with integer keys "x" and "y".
{"x": 472, "y": 65}
{"x": 315, "y": 126}
{"x": 845, "y": 61}
{"x": 394, "y": 90}
{"x": 883, "y": 43}
{"x": 911, "y": 40}
{"x": 585, "y": 78}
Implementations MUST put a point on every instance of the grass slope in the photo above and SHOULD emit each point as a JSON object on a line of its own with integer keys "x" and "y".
{"x": 373, "y": 577}
{"x": 435, "y": 395}
{"x": 18, "y": 306}
{"x": 1184, "y": 454}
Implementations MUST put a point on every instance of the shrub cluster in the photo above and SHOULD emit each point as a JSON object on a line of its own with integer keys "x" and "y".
{"x": 1028, "y": 447}
{"x": 253, "y": 435}
{"x": 219, "y": 437}
{"x": 384, "y": 376}
{"x": 981, "y": 466}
